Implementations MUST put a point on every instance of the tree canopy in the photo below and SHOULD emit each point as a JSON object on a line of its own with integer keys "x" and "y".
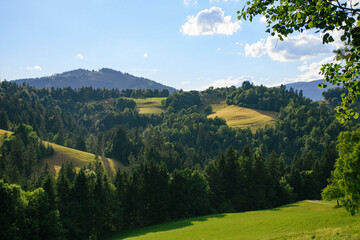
{"x": 328, "y": 16}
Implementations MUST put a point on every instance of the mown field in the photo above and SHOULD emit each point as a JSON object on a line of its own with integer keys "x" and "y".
{"x": 302, "y": 220}
{"x": 243, "y": 117}
{"x": 149, "y": 105}
{"x": 78, "y": 158}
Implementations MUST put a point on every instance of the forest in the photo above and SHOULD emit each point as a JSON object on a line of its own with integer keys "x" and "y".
{"x": 178, "y": 164}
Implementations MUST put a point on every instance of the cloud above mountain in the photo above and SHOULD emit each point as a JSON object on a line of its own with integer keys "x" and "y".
{"x": 209, "y": 22}
{"x": 296, "y": 48}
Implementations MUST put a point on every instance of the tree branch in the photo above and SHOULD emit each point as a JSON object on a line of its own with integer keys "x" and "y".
{"x": 341, "y": 7}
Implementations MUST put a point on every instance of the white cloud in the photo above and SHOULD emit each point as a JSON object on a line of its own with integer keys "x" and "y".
{"x": 337, "y": 41}
{"x": 257, "y": 49}
{"x": 210, "y": 21}
{"x": 79, "y": 56}
{"x": 297, "y": 48}
{"x": 186, "y": 82}
{"x": 146, "y": 55}
{"x": 34, "y": 68}
{"x": 311, "y": 71}
{"x": 263, "y": 19}
{"x": 188, "y": 2}
{"x": 230, "y": 81}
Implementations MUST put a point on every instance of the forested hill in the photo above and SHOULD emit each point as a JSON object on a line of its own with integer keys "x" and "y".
{"x": 104, "y": 78}
{"x": 179, "y": 163}
{"x": 310, "y": 89}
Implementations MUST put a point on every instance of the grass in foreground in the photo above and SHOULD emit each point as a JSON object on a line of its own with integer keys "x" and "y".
{"x": 149, "y": 105}
{"x": 302, "y": 220}
{"x": 243, "y": 117}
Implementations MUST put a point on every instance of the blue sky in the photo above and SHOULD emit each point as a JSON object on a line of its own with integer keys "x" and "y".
{"x": 185, "y": 44}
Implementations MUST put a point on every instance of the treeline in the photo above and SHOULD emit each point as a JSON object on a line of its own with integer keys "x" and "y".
{"x": 264, "y": 98}
{"x": 20, "y": 153}
{"x": 89, "y": 204}
{"x": 62, "y": 115}
{"x": 148, "y": 93}
{"x": 187, "y": 136}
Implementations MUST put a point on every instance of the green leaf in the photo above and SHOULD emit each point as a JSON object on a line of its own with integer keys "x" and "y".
{"x": 311, "y": 24}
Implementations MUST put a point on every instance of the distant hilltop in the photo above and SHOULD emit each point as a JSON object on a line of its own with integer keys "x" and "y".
{"x": 310, "y": 89}
{"x": 104, "y": 78}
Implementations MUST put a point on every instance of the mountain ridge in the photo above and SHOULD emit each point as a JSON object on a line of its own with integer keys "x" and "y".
{"x": 103, "y": 78}
{"x": 310, "y": 89}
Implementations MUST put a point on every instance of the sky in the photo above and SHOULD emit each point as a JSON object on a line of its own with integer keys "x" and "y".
{"x": 186, "y": 44}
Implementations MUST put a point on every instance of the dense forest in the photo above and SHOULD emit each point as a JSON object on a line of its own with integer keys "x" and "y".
{"x": 178, "y": 164}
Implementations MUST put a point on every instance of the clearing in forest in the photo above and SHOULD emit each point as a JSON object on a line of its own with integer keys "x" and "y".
{"x": 243, "y": 117}
{"x": 149, "y": 105}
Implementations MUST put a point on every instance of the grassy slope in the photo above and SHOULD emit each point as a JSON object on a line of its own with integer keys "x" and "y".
{"x": 149, "y": 105}
{"x": 243, "y": 117}
{"x": 78, "y": 158}
{"x": 302, "y": 220}
{"x": 237, "y": 116}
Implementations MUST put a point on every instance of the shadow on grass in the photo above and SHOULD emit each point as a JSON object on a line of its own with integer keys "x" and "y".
{"x": 284, "y": 206}
{"x": 176, "y": 224}
{"x": 271, "y": 114}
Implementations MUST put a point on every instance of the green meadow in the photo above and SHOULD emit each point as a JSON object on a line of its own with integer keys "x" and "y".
{"x": 301, "y": 220}
{"x": 149, "y": 105}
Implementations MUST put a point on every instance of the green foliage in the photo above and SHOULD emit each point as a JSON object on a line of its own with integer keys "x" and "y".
{"x": 285, "y": 17}
{"x": 27, "y": 215}
{"x": 263, "y": 98}
{"x": 122, "y": 103}
{"x": 208, "y": 110}
{"x": 182, "y": 100}
{"x": 345, "y": 181}
{"x": 20, "y": 153}
{"x": 188, "y": 192}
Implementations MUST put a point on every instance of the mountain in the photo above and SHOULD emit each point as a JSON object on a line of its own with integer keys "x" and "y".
{"x": 310, "y": 89}
{"x": 104, "y": 78}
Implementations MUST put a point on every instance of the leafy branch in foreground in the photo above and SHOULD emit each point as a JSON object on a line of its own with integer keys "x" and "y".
{"x": 328, "y": 16}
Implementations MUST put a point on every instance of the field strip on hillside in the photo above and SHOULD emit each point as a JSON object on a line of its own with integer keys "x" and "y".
{"x": 78, "y": 158}
{"x": 149, "y": 105}
{"x": 243, "y": 117}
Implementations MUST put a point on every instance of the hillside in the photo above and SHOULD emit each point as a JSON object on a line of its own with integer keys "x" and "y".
{"x": 149, "y": 105}
{"x": 78, "y": 158}
{"x": 302, "y": 220}
{"x": 104, "y": 78}
{"x": 310, "y": 89}
{"x": 242, "y": 117}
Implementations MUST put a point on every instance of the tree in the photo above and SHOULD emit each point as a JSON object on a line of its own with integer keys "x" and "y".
{"x": 208, "y": 110}
{"x": 328, "y": 16}
{"x": 345, "y": 182}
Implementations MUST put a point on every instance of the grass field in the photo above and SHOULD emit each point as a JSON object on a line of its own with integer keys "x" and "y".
{"x": 243, "y": 117}
{"x": 149, "y": 105}
{"x": 302, "y": 220}
{"x": 78, "y": 158}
